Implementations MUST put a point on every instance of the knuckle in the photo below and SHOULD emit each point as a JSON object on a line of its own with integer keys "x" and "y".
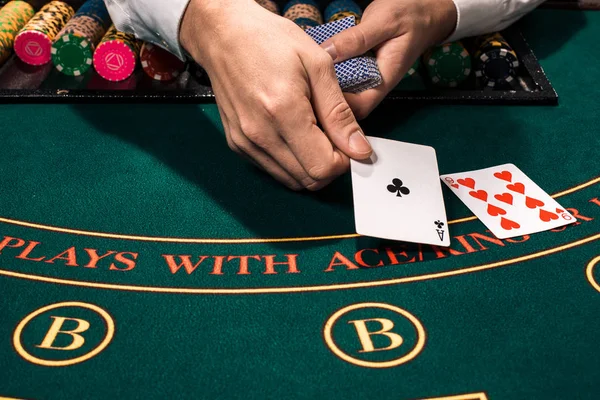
{"x": 342, "y": 114}
{"x": 321, "y": 172}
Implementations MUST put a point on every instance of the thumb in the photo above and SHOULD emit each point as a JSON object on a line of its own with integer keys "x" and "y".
{"x": 356, "y": 41}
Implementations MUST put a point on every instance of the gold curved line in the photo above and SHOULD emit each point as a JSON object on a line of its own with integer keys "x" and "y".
{"x": 300, "y": 289}
{"x": 233, "y": 241}
{"x": 576, "y": 188}
{"x": 589, "y": 273}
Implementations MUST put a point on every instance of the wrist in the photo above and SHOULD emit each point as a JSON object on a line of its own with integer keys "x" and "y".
{"x": 203, "y": 22}
{"x": 444, "y": 19}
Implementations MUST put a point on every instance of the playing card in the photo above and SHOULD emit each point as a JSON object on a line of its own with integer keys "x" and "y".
{"x": 507, "y": 201}
{"x": 398, "y": 195}
{"x": 356, "y": 74}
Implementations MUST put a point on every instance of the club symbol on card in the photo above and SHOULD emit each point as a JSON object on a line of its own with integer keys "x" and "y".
{"x": 439, "y": 224}
{"x": 398, "y": 187}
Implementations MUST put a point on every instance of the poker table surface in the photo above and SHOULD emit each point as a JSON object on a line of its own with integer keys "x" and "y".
{"x": 140, "y": 258}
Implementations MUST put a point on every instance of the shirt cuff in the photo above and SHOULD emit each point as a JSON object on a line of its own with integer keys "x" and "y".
{"x": 472, "y": 17}
{"x": 157, "y": 22}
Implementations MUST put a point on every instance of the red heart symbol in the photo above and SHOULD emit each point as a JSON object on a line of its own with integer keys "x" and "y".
{"x": 547, "y": 216}
{"x": 517, "y": 187}
{"x": 505, "y": 198}
{"x": 530, "y": 202}
{"x": 558, "y": 210}
{"x": 508, "y": 224}
{"x": 504, "y": 175}
{"x": 454, "y": 185}
{"x": 468, "y": 182}
{"x": 480, "y": 194}
{"x": 495, "y": 211}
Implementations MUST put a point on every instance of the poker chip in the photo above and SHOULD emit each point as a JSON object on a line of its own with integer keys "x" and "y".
{"x": 294, "y": 2}
{"x": 73, "y": 49}
{"x": 13, "y": 16}
{"x": 116, "y": 56}
{"x": 301, "y": 10}
{"x": 33, "y": 43}
{"x": 72, "y": 54}
{"x": 159, "y": 64}
{"x": 495, "y": 61}
{"x": 344, "y": 14}
{"x": 340, "y": 6}
{"x": 414, "y": 68}
{"x": 448, "y": 64}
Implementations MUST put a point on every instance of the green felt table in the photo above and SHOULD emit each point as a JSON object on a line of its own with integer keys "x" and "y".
{"x": 140, "y": 258}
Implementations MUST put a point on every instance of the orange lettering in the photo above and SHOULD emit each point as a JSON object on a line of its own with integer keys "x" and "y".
{"x": 340, "y": 259}
{"x": 218, "y": 265}
{"x": 243, "y": 263}
{"x": 186, "y": 263}
{"x": 466, "y": 245}
{"x": 359, "y": 258}
{"x": 68, "y": 255}
{"x": 394, "y": 257}
{"x": 94, "y": 257}
{"x": 7, "y": 242}
{"x": 120, "y": 257}
{"x": 596, "y": 201}
{"x": 575, "y": 213}
{"x": 291, "y": 263}
{"x": 24, "y": 255}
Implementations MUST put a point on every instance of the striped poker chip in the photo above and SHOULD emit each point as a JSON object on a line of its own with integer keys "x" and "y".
{"x": 291, "y": 3}
{"x": 338, "y": 6}
{"x": 496, "y": 66}
{"x": 159, "y": 64}
{"x": 72, "y": 54}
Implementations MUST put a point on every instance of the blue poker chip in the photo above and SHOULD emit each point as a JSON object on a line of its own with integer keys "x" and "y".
{"x": 95, "y": 9}
{"x": 294, "y": 2}
{"x": 337, "y": 6}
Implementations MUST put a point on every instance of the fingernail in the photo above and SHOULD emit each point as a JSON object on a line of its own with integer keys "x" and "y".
{"x": 359, "y": 144}
{"x": 330, "y": 49}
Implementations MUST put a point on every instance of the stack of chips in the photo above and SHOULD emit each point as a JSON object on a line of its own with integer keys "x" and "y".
{"x": 305, "y": 13}
{"x": 13, "y": 16}
{"x": 356, "y": 74}
{"x": 73, "y": 48}
{"x": 339, "y": 9}
{"x": 116, "y": 56}
{"x": 495, "y": 62}
{"x": 34, "y": 42}
{"x": 448, "y": 65}
{"x": 269, "y": 5}
{"x": 159, "y": 64}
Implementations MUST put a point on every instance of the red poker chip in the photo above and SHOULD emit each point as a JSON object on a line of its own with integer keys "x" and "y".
{"x": 33, "y": 47}
{"x": 114, "y": 61}
{"x": 159, "y": 64}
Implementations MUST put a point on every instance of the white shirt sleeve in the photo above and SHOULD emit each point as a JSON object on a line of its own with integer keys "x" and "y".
{"x": 154, "y": 21}
{"x": 476, "y": 17}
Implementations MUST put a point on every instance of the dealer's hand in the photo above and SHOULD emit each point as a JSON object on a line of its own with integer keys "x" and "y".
{"x": 399, "y": 31}
{"x": 272, "y": 84}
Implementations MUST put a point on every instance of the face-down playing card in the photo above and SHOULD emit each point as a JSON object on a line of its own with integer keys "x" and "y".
{"x": 507, "y": 201}
{"x": 398, "y": 195}
{"x": 356, "y": 74}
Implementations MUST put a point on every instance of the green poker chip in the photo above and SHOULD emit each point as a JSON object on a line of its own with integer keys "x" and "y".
{"x": 72, "y": 54}
{"x": 448, "y": 64}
